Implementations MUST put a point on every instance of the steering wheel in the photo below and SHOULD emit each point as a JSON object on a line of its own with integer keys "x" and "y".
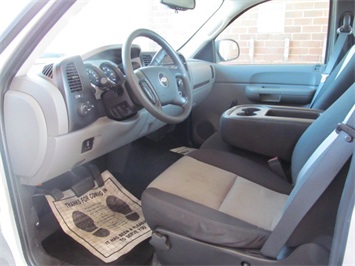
{"x": 157, "y": 86}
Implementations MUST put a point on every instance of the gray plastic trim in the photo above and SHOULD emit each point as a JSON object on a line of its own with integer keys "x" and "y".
{"x": 203, "y": 78}
{"x": 268, "y": 130}
{"x": 48, "y": 97}
{"x": 187, "y": 251}
{"x": 37, "y": 130}
{"x": 300, "y": 95}
{"x": 26, "y": 132}
{"x": 36, "y": 119}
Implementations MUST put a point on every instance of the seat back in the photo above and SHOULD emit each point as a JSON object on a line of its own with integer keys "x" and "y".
{"x": 320, "y": 220}
{"x": 320, "y": 129}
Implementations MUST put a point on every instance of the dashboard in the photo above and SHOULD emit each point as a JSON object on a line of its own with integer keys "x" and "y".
{"x": 81, "y": 107}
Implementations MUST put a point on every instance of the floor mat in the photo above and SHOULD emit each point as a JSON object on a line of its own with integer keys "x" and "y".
{"x": 183, "y": 150}
{"x": 67, "y": 250}
{"x": 107, "y": 220}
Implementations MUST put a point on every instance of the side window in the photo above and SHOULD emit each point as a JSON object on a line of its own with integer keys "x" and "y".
{"x": 277, "y": 32}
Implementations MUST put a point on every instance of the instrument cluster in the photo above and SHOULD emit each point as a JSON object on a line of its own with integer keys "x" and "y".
{"x": 106, "y": 76}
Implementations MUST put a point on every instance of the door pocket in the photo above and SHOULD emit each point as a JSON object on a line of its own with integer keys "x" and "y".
{"x": 298, "y": 95}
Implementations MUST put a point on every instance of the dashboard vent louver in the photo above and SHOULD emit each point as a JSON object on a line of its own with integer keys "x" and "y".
{"x": 147, "y": 58}
{"x": 48, "y": 71}
{"x": 73, "y": 78}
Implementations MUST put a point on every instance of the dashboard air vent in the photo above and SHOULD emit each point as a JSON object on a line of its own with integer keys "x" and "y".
{"x": 146, "y": 58}
{"x": 73, "y": 78}
{"x": 48, "y": 71}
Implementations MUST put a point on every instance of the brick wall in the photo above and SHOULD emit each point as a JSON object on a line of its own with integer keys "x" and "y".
{"x": 281, "y": 32}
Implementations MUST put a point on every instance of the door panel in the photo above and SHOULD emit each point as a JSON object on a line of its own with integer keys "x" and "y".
{"x": 281, "y": 49}
{"x": 244, "y": 84}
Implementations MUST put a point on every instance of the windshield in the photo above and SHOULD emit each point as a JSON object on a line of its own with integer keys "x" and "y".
{"x": 106, "y": 22}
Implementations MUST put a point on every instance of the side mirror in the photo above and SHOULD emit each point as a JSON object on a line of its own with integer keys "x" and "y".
{"x": 227, "y": 50}
{"x": 180, "y": 5}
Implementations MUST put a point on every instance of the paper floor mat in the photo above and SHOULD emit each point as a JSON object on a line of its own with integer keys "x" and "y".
{"x": 183, "y": 150}
{"x": 107, "y": 220}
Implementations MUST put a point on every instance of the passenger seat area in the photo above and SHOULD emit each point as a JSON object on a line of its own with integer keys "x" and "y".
{"x": 226, "y": 206}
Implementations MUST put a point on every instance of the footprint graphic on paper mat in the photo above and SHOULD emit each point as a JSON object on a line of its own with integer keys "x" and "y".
{"x": 117, "y": 205}
{"x": 86, "y": 223}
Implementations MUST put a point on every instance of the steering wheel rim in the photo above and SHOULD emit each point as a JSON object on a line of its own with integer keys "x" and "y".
{"x": 156, "y": 86}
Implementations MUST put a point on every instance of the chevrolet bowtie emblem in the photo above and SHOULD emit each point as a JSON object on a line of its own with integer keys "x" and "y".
{"x": 163, "y": 80}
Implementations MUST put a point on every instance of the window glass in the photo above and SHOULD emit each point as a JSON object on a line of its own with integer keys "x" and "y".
{"x": 280, "y": 32}
{"x": 106, "y": 22}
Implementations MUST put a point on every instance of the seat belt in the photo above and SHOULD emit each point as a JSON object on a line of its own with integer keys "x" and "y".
{"x": 344, "y": 31}
{"x": 313, "y": 179}
{"x": 343, "y": 221}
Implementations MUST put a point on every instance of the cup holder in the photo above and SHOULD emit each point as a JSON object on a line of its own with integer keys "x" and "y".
{"x": 248, "y": 111}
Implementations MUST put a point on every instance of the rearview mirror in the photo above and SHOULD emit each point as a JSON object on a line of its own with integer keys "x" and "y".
{"x": 180, "y": 5}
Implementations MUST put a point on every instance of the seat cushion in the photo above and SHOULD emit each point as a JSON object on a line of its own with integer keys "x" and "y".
{"x": 253, "y": 168}
{"x": 213, "y": 203}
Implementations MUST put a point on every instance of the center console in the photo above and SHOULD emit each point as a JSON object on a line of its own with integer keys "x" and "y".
{"x": 269, "y": 130}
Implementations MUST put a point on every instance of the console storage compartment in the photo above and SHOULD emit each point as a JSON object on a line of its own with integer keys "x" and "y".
{"x": 268, "y": 130}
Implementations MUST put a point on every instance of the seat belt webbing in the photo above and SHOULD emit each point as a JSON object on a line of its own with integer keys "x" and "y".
{"x": 343, "y": 222}
{"x": 313, "y": 179}
{"x": 338, "y": 47}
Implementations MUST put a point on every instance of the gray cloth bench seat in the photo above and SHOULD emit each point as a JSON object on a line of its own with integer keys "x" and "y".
{"x": 228, "y": 200}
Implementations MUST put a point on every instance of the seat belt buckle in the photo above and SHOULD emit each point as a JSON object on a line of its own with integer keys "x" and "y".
{"x": 348, "y": 130}
{"x": 276, "y": 166}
